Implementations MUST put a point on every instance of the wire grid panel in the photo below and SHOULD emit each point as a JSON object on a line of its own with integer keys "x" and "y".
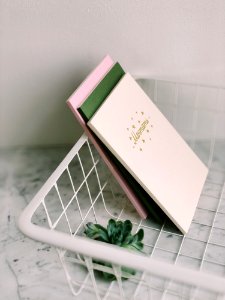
{"x": 82, "y": 190}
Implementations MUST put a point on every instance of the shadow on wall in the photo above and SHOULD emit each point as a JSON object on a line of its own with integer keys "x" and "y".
{"x": 42, "y": 116}
{"x": 58, "y": 122}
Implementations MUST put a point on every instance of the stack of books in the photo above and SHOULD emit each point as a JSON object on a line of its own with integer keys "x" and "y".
{"x": 155, "y": 167}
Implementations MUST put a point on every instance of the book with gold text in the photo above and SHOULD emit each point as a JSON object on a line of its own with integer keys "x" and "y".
{"x": 152, "y": 151}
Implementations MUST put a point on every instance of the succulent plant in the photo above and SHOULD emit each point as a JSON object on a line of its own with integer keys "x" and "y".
{"x": 117, "y": 233}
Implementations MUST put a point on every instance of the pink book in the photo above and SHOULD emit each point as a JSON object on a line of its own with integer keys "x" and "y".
{"x": 74, "y": 102}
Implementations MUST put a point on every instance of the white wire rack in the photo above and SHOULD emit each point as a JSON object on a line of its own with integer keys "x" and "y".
{"x": 82, "y": 190}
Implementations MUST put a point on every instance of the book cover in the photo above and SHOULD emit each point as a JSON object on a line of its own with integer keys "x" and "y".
{"x": 148, "y": 146}
{"x": 102, "y": 90}
{"x": 90, "y": 82}
{"x": 87, "y": 110}
{"x": 76, "y": 100}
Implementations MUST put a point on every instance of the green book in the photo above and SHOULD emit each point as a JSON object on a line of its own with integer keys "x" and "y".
{"x": 87, "y": 110}
{"x": 99, "y": 94}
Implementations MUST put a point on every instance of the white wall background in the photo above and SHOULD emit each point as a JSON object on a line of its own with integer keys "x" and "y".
{"x": 48, "y": 46}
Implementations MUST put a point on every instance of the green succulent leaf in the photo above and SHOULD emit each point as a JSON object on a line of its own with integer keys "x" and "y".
{"x": 127, "y": 227}
{"x": 110, "y": 228}
{"x": 96, "y": 232}
{"x": 117, "y": 233}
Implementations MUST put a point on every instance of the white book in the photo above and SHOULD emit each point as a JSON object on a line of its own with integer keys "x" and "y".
{"x": 142, "y": 139}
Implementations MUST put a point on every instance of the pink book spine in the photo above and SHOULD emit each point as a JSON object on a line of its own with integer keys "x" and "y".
{"x": 75, "y": 101}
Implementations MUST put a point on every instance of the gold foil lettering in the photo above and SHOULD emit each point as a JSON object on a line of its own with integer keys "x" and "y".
{"x": 136, "y": 135}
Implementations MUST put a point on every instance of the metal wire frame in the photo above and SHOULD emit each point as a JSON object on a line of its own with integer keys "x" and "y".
{"x": 160, "y": 230}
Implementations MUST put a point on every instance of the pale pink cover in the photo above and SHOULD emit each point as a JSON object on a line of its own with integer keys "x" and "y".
{"x": 148, "y": 146}
{"x": 74, "y": 103}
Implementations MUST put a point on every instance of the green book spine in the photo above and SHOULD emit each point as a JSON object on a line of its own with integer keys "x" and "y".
{"x": 99, "y": 94}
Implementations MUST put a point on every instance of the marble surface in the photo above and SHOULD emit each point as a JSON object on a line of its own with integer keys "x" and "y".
{"x": 31, "y": 270}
